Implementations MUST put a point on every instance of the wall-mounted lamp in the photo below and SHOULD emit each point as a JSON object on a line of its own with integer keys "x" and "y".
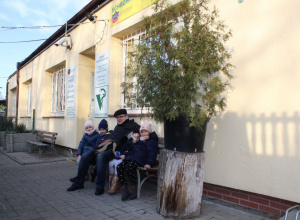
{"x": 65, "y": 42}
{"x": 90, "y": 17}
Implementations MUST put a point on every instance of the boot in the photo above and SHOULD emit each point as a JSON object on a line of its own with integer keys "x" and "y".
{"x": 125, "y": 193}
{"x": 133, "y": 192}
{"x": 114, "y": 185}
{"x": 110, "y": 178}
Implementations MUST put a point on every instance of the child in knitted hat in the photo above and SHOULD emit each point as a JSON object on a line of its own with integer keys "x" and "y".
{"x": 87, "y": 143}
{"x": 103, "y": 130}
{"x": 104, "y": 135}
{"x": 140, "y": 153}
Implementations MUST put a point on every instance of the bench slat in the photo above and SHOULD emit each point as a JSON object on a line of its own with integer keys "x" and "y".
{"x": 45, "y": 139}
{"x": 37, "y": 143}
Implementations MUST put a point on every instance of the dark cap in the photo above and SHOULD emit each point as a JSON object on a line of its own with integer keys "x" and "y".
{"x": 120, "y": 112}
{"x": 103, "y": 124}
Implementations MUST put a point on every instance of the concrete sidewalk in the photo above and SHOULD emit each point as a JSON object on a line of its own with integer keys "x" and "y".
{"x": 38, "y": 191}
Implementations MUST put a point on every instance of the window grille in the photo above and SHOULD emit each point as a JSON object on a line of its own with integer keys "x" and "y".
{"x": 28, "y": 104}
{"x": 58, "y": 91}
{"x": 129, "y": 42}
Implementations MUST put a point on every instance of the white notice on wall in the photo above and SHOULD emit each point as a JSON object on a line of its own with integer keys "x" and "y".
{"x": 71, "y": 91}
{"x": 101, "y": 85}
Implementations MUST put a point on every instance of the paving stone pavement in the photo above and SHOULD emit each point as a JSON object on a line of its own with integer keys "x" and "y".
{"x": 38, "y": 191}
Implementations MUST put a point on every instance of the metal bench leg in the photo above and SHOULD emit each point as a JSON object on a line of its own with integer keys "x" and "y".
{"x": 53, "y": 148}
{"x": 40, "y": 151}
{"x": 29, "y": 147}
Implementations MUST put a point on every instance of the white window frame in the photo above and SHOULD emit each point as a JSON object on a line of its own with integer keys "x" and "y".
{"x": 28, "y": 104}
{"x": 58, "y": 86}
{"x": 128, "y": 42}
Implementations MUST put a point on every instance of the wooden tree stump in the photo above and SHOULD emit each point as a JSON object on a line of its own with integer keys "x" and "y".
{"x": 180, "y": 184}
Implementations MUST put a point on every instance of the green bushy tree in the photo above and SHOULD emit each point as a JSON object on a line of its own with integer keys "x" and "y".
{"x": 181, "y": 65}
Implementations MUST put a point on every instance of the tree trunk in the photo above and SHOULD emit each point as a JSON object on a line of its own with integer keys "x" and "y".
{"x": 180, "y": 183}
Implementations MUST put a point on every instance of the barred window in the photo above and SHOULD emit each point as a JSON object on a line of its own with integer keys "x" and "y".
{"x": 129, "y": 42}
{"x": 58, "y": 92}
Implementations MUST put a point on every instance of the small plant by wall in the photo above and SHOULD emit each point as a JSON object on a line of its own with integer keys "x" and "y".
{"x": 11, "y": 138}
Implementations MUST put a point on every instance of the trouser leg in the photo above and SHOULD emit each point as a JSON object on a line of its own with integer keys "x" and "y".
{"x": 86, "y": 160}
{"x": 103, "y": 159}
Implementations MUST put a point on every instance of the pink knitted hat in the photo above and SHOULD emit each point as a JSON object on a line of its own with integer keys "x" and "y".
{"x": 146, "y": 126}
{"x": 89, "y": 123}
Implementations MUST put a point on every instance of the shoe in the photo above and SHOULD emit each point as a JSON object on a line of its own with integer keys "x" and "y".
{"x": 133, "y": 192}
{"x": 73, "y": 179}
{"x": 125, "y": 193}
{"x": 114, "y": 185}
{"x": 99, "y": 191}
{"x": 74, "y": 187}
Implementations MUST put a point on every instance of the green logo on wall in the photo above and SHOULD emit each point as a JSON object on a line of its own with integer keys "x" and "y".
{"x": 100, "y": 97}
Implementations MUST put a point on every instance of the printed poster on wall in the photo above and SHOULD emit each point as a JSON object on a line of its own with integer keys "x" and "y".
{"x": 101, "y": 85}
{"x": 70, "y": 102}
{"x": 125, "y": 8}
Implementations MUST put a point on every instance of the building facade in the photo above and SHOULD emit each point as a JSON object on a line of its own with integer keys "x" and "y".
{"x": 253, "y": 147}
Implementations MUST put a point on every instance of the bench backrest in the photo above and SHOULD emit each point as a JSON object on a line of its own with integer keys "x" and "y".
{"x": 46, "y": 136}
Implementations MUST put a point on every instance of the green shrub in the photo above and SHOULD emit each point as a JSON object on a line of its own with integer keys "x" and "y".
{"x": 6, "y": 124}
{"x": 20, "y": 128}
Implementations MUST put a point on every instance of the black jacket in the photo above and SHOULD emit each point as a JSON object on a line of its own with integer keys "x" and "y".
{"x": 119, "y": 135}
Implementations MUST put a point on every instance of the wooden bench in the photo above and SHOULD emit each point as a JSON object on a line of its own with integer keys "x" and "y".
{"x": 148, "y": 173}
{"x": 45, "y": 141}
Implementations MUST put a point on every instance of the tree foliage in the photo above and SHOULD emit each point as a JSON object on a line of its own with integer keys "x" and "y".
{"x": 181, "y": 66}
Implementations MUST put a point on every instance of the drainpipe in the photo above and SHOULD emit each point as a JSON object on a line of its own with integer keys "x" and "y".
{"x": 33, "y": 118}
{"x": 18, "y": 80}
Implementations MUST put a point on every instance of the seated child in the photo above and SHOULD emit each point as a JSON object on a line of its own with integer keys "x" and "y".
{"x": 104, "y": 135}
{"x": 151, "y": 139}
{"x": 137, "y": 152}
{"x": 87, "y": 143}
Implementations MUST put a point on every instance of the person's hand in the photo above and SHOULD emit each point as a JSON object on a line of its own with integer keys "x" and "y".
{"x": 115, "y": 154}
{"x": 78, "y": 158}
{"x": 147, "y": 166}
{"x": 122, "y": 157}
{"x": 136, "y": 136}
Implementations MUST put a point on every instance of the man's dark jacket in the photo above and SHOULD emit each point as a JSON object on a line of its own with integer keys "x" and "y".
{"x": 119, "y": 135}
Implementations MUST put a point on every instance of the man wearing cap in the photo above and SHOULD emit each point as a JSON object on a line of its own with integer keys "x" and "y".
{"x": 119, "y": 136}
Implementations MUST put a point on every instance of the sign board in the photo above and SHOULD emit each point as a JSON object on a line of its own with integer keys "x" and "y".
{"x": 71, "y": 91}
{"x": 125, "y": 8}
{"x": 101, "y": 85}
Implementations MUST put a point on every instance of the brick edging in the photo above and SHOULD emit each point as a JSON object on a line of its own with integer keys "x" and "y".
{"x": 255, "y": 201}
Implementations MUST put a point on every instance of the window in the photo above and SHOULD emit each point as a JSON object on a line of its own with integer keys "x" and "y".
{"x": 58, "y": 92}
{"x": 128, "y": 44}
{"x": 14, "y": 102}
{"x": 28, "y": 104}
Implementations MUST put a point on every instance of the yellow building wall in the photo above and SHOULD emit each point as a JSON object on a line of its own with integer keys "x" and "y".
{"x": 12, "y": 87}
{"x": 254, "y": 145}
